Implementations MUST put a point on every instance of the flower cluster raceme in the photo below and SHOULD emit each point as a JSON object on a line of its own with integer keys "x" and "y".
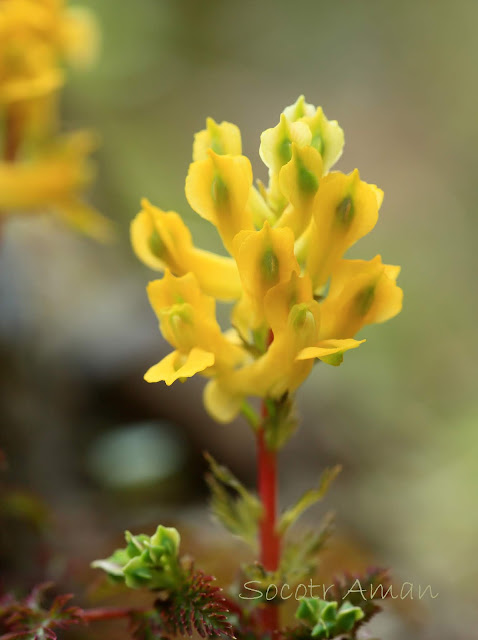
{"x": 296, "y": 298}
{"x": 42, "y": 170}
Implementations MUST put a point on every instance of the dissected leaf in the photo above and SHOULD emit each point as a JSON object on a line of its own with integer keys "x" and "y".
{"x": 238, "y": 510}
{"x": 299, "y": 559}
{"x": 30, "y": 620}
{"x": 199, "y": 606}
{"x": 309, "y": 498}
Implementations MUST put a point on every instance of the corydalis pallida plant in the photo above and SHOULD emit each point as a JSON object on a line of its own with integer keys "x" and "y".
{"x": 297, "y": 299}
{"x": 42, "y": 170}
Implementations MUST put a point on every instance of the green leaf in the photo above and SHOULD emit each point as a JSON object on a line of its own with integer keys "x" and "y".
{"x": 309, "y": 498}
{"x": 308, "y": 610}
{"x": 146, "y": 561}
{"x": 326, "y": 619}
{"x": 238, "y": 510}
{"x": 347, "y": 616}
{"x": 299, "y": 558}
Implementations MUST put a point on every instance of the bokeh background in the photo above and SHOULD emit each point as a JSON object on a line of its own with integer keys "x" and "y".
{"x": 104, "y": 451}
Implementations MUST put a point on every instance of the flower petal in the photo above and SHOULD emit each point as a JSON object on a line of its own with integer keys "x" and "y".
{"x": 361, "y": 292}
{"x": 345, "y": 210}
{"x": 218, "y": 189}
{"x": 222, "y": 405}
{"x": 176, "y": 365}
{"x": 161, "y": 240}
{"x": 329, "y": 351}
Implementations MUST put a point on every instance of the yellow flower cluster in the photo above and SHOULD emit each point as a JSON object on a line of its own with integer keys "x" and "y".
{"x": 296, "y": 297}
{"x": 41, "y": 169}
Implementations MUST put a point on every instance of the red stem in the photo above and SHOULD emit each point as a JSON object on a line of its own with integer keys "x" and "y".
{"x": 269, "y": 538}
{"x": 108, "y": 613}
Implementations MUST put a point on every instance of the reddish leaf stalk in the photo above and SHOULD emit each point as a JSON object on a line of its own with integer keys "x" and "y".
{"x": 267, "y": 481}
{"x": 108, "y": 613}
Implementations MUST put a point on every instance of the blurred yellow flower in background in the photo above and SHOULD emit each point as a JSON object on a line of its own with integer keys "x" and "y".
{"x": 296, "y": 298}
{"x": 41, "y": 170}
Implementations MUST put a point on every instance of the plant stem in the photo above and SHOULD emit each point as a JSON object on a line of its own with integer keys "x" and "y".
{"x": 108, "y": 613}
{"x": 269, "y": 538}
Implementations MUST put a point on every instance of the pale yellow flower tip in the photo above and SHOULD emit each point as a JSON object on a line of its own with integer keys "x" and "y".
{"x": 223, "y": 139}
{"x": 176, "y": 366}
{"x": 276, "y": 143}
{"x": 327, "y": 137}
{"x": 80, "y": 37}
{"x": 299, "y": 109}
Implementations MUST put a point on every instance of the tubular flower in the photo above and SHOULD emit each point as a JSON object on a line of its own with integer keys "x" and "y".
{"x": 187, "y": 319}
{"x": 297, "y": 300}
{"x": 41, "y": 170}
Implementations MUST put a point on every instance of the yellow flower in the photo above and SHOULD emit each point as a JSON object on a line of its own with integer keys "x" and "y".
{"x": 264, "y": 259}
{"x": 187, "y": 319}
{"x": 35, "y": 37}
{"x": 361, "y": 292}
{"x": 218, "y": 189}
{"x": 287, "y": 241}
{"x": 299, "y": 184}
{"x": 53, "y": 181}
{"x": 327, "y": 136}
{"x": 345, "y": 210}
{"x": 276, "y": 151}
{"x": 162, "y": 241}
{"x": 294, "y": 318}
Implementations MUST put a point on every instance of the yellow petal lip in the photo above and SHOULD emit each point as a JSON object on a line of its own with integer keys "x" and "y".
{"x": 176, "y": 366}
{"x": 326, "y": 348}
